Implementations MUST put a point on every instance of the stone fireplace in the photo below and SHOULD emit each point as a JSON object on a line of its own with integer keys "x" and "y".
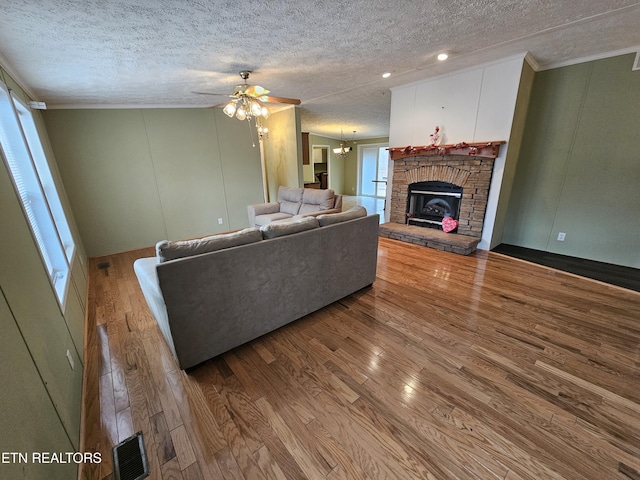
{"x": 430, "y": 183}
{"x": 472, "y": 174}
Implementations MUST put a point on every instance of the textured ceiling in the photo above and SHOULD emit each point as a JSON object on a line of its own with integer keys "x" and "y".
{"x": 328, "y": 53}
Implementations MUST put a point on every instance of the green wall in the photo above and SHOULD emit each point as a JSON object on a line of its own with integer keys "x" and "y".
{"x": 41, "y": 394}
{"x": 343, "y": 172}
{"x": 29, "y": 420}
{"x": 137, "y": 176}
{"x": 578, "y": 170}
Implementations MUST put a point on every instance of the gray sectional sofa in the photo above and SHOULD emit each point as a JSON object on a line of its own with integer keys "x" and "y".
{"x": 294, "y": 203}
{"x": 210, "y": 295}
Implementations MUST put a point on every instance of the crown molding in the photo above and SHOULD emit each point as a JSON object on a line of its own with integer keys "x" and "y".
{"x": 116, "y": 106}
{"x": 599, "y": 56}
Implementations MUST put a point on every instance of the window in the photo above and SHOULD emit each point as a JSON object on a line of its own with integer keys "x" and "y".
{"x": 32, "y": 179}
{"x": 374, "y": 165}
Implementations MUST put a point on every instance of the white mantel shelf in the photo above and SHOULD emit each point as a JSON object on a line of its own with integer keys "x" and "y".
{"x": 476, "y": 149}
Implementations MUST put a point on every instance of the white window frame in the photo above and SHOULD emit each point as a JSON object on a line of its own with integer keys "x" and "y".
{"x": 361, "y": 148}
{"x": 33, "y": 182}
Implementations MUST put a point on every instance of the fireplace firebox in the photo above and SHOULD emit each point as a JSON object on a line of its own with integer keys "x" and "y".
{"x": 428, "y": 203}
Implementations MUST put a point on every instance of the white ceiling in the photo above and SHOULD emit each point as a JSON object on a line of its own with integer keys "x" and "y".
{"x": 328, "y": 53}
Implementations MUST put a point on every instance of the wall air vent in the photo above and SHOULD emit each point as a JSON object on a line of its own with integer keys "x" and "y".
{"x": 130, "y": 459}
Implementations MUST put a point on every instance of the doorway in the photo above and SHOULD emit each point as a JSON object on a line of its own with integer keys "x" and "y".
{"x": 373, "y": 167}
{"x": 320, "y": 164}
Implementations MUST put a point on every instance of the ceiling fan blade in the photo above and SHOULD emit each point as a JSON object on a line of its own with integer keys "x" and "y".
{"x": 272, "y": 99}
{"x": 255, "y": 91}
{"x": 223, "y": 104}
{"x": 214, "y": 94}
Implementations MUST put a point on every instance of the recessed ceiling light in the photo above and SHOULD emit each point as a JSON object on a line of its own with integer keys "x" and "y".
{"x": 443, "y": 56}
{"x": 386, "y": 75}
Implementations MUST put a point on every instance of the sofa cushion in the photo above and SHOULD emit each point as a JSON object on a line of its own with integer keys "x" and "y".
{"x": 270, "y": 217}
{"x": 314, "y": 200}
{"x": 274, "y": 230}
{"x": 290, "y": 199}
{"x": 167, "y": 250}
{"x": 329, "y": 219}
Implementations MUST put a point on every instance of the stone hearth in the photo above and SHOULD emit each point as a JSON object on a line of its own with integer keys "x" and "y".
{"x": 430, "y": 237}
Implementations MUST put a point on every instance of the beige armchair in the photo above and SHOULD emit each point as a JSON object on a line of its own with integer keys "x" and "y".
{"x": 294, "y": 203}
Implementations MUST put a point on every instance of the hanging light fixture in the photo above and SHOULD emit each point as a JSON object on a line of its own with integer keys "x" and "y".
{"x": 344, "y": 149}
{"x": 246, "y": 105}
{"x": 263, "y": 132}
{"x": 245, "y": 108}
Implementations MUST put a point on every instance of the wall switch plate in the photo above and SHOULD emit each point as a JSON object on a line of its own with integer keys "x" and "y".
{"x": 70, "y": 358}
{"x": 561, "y": 236}
{"x": 220, "y": 221}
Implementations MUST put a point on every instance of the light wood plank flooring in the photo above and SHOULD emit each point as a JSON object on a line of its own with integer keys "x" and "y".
{"x": 448, "y": 367}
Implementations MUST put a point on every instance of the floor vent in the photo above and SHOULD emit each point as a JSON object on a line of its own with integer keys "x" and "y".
{"x": 130, "y": 459}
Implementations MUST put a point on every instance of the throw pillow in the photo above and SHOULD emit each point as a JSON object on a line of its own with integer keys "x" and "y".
{"x": 449, "y": 224}
{"x": 166, "y": 250}
{"x": 331, "y": 218}
{"x": 274, "y": 230}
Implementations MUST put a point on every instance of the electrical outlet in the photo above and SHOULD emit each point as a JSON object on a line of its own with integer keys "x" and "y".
{"x": 220, "y": 221}
{"x": 561, "y": 236}
{"x": 70, "y": 358}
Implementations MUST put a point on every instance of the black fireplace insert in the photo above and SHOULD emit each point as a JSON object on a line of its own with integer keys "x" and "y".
{"x": 429, "y": 202}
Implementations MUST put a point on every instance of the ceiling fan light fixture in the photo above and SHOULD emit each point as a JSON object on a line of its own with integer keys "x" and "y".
{"x": 256, "y": 109}
{"x": 248, "y": 103}
{"x": 230, "y": 109}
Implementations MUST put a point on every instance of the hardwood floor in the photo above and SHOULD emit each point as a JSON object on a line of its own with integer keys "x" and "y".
{"x": 448, "y": 367}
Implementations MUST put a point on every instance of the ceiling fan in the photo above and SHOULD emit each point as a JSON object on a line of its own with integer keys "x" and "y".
{"x": 249, "y": 100}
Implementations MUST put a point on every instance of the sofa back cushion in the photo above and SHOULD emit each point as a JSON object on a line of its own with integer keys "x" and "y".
{"x": 290, "y": 199}
{"x": 315, "y": 200}
{"x": 331, "y": 218}
{"x": 166, "y": 250}
{"x": 274, "y": 230}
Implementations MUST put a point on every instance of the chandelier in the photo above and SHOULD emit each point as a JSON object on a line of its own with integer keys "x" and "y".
{"x": 344, "y": 149}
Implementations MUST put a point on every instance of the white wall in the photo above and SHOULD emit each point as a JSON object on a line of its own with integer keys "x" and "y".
{"x": 472, "y": 105}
